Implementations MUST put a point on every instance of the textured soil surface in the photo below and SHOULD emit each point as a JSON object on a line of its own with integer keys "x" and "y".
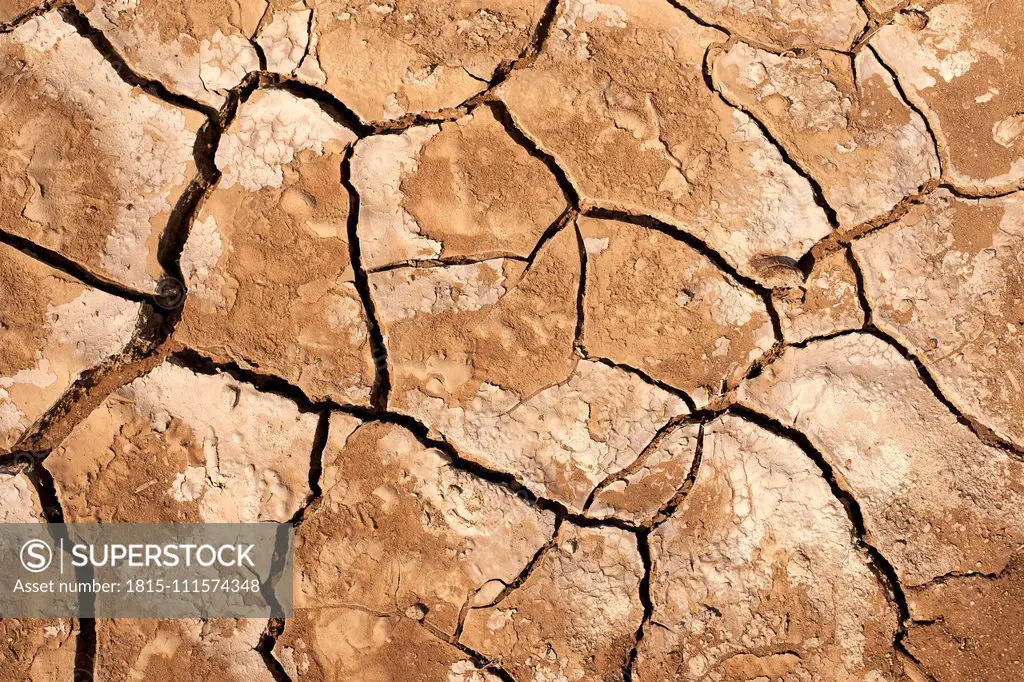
{"x": 582, "y": 340}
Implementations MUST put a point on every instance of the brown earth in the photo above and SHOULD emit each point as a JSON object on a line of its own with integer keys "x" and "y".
{"x": 584, "y": 340}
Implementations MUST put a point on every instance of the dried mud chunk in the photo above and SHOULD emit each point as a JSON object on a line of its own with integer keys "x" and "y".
{"x": 948, "y": 279}
{"x": 961, "y": 62}
{"x": 284, "y": 36}
{"x": 644, "y": 488}
{"x": 562, "y": 441}
{"x": 92, "y": 166}
{"x": 19, "y": 502}
{"x": 967, "y": 629}
{"x": 462, "y": 189}
{"x": 656, "y": 304}
{"x": 450, "y": 329}
{"x": 757, "y": 575}
{"x": 341, "y": 644}
{"x": 388, "y": 59}
{"x": 271, "y": 283}
{"x": 827, "y": 303}
{"x": 935, "y": 498}
{"x": 197, "y": 48}
{"x": 161, "y": 649}
{"x": 784, "y": 24}
{"x": 398, "y": 529}
{"x": 54, "y": 329}
{"x": 483, "y": 354}
{"x": 618, "y": 97}
{"x": 38, "y": 649}
{"x": 179, "y": 447}
{"x": 575, "y": 616}
{"x": 843, "y": 122}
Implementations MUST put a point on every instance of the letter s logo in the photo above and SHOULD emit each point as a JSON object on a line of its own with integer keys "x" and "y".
{"x": 36, "y": 556}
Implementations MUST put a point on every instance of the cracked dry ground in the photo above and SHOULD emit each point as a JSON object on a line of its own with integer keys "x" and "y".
{"x": 582, "y": 340}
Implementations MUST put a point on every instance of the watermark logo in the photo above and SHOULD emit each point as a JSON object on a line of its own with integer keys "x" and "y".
{"x": 170, "y": 293}
{"x": 36, "y": 556}
{"x": 146, "y": 570}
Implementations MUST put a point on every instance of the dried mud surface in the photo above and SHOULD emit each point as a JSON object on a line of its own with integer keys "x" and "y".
{"x": 610, "y": 340}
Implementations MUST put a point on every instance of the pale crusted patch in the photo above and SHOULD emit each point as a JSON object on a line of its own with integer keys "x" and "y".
{"x": 216, "y": 648}
{"x": 784, "y": 24}
{"x": 96, "y": 324}
{"x": 285, "y": 39}
{"x": 269, "y": 132}
{"x": 387, "y": 232}
{"x": 562, "y": 441}
{"x": 224, "y": 61}
{"x": 199, "y": 260}
{"x": 595, "y": 245}
{"x": 844, "y": 123}
{"x": 759, "y": 543}
{"x": 590, "y": 11}
{"x": 947, "y": 280}
{"x": 54, "y": 328}
{"x": 123, "y": 157}
{"x": 19, "y": 502}
{"x": 198, "y": 48}
{"x": 935, "y": 498}
{"x": 408, "y": 292}
{"x": 219, "y": 451}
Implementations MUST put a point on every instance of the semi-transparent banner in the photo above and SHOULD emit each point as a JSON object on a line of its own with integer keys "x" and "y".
{"x": 114, "y": 570}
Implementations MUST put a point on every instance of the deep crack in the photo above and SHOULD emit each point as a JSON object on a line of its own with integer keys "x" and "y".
{"x": 152, "y": 341}
{"x": 268, "y": 640}
{"x": 382, "y": 380}
{"x": 53, "y": 512}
